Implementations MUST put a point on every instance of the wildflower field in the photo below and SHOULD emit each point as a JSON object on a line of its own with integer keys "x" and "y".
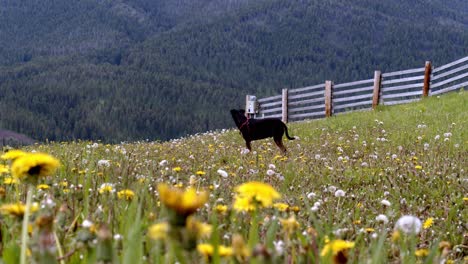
{"x": 384, "y": 186}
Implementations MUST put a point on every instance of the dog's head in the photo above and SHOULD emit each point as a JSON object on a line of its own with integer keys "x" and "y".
{"x": 238, "y": 116}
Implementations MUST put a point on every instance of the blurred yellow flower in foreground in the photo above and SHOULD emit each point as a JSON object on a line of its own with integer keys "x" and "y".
{"x": 254, "y": 192}
{"x": 34, "y": 164}
{"x": 184, "y": 203}
{"x": 126, "y": 194}
{"x": 423, "y": 252}
{"x": 4, "y": 169}
{"x": 336, "y": 247}
{"x": 10, "y": 180}
{"x": 281, "y": 206}
{"x": 290, "y": 224}
{"x": 199, "y": 229}
{"x": 17, "y": 209}
{"x": 13, "y": 154}
{"x": 207, "y": 250}
{"x": 159, "y": 231}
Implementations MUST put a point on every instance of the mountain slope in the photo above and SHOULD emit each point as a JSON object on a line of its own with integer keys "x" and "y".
{"x": 166, "y": 69}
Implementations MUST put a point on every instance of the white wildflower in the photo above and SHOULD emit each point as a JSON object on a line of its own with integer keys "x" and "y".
{"x": 409, "y": 224}
{"x": 385, "y": 202}
{"x": 340, "y": 193}
{"x": 382, "y": 218}
{"x": 223, "y": 173}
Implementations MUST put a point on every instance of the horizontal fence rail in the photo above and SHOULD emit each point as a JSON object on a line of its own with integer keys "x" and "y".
{"x": 390, "y": 88}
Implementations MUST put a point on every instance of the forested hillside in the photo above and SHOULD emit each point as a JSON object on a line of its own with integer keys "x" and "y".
{"x": 145, "y": 69}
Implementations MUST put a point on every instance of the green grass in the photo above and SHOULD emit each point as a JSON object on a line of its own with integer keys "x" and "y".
{"x": 414, "y": 156}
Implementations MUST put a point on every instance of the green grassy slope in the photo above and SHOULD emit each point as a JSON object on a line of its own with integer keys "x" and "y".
{"x": 338, "y": 179}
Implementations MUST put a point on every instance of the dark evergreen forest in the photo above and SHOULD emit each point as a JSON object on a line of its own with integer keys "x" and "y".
{"x": 124, "y": 70}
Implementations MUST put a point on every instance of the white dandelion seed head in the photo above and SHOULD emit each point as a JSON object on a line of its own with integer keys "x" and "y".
{"x": 331, "y": 188}
{"x": 408, "y": 224}
{"x": 270, "y": 172}
{"x": 279, "y": 247}
{"x": 222, "y": 173}
{"x": 382, "y": 218}
{"x": 437, "y": 137}
{"x": 272, "y": 166}
{"x": 311, "y": 195}
{"x": 103, "y": 163}
{"x": 340, "y": 193}
{"x": 86, "y": 223}
{"x": 385, "y": 202}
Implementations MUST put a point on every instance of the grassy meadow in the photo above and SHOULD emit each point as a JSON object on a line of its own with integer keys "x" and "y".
{"x": 384, "y": 186}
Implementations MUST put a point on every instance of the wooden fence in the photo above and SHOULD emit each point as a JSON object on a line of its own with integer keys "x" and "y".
{"x": 323, "y": 100}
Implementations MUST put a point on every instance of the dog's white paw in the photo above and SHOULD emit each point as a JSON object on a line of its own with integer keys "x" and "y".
{"x": 245, "y": 151}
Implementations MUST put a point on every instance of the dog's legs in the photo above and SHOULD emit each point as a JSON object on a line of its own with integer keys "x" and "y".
{"x": 280, "y": 145}
{"x": 247, "y": 143}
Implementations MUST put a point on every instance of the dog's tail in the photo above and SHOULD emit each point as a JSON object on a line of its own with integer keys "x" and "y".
{"x": 286, "y": 130}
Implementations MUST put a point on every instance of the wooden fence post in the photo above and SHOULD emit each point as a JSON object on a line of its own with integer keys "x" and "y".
{"x": 247, "y": 105}
{"x": 284, "y": 104}
{"x": 377, "y": 84}
{"x": 427, "y": 79}
{"x": 328, "y": 98}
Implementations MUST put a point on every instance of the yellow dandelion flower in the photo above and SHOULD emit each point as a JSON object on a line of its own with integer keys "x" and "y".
{"x": 34, "y": 164}
{"x": 335, "y": 247}
{"x": 4, "y": 169}
{"x": 184, "y": 203}
{"x": 200, "y": 173}
{"x": 177, "y": 169}
{"x": 259, "y": 192}
{"x": 396, "y": 236}
{"x": 222, "y": 209}
{"x": 369, "y": 229}
{"x": 106, "y": 188}
{"x": 290, "y": 224}
{"x": 207, "y": 250}
{"x": 295, "y": 209}
{"x": 428, "y": 223}
{"x": 13, "y": 154}
{"x": 282, "y": 207}
{"x": 423, "y": 252}
{"x": 159, "y": 231}
{"x": 42, "y": 187}
{"x": 126, "y": 194}
{"x": 418, "y": 167}
{"x": 243, "y": 204}
{"x": 240, "y": 249}
{"x": 17, "y": 209}
{"x": 199, "y": 229}
{"x": 10, "y": 181}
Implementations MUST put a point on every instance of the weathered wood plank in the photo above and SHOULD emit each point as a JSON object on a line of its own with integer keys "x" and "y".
{"x": 352, "y": 98}
{"x": 271, "y": 98}
{"x": 401, "y": 87}
{"x": 455, "y": 78}
{"x": 309, "y": 101}
{"x": 313, "y": 87}
{"x": 440, "y": 68}
{"x": 341, "y": 85}
{"x": 402, "y": 101}
{"x": 292, "y": 97}
{"x": 265, "y": 111}
{"x": 407, "y": 79}
{"x": 356, "y": 90}
{"x": 389, "y": 74}
{"x": 438, "y": 76}
{"x": 400, "y": 95}
{"x": 306, "y": 108}
{"x": 263, "y": 105}
{"x": 450, "y": 88}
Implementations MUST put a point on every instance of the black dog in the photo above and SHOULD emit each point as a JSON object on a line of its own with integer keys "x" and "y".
{"x": 253, "y": 129}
